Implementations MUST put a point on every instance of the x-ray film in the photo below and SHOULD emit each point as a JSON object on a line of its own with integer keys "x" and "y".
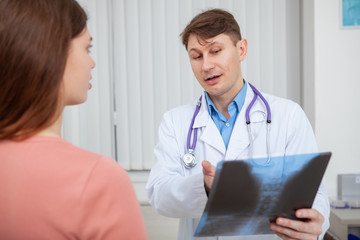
{"x": 247, "y": 195}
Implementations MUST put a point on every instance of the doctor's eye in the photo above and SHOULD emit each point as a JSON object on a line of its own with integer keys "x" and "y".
{"x": 215, "y": 51}
{"x": 196, "y": 57}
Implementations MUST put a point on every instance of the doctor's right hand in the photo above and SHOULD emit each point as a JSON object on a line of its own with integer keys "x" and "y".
{"x": 209, "y": 173}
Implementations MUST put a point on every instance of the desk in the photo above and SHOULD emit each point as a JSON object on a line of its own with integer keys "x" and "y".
{"x": 345, "y": 221}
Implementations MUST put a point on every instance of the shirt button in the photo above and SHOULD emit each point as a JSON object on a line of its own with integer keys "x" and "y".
{"x": 227, "y": 124}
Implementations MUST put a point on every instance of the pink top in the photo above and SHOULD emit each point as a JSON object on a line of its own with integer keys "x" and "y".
{"x": 50, "y": 189}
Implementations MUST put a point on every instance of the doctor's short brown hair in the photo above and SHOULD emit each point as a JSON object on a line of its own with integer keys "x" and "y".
{"x": 35, "y": 37}
{"x": 211, "y": 23}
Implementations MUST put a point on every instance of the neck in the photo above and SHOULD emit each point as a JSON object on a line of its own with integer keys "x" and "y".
{"x": 54, "y": 130}
{"x": 222, "y": 102}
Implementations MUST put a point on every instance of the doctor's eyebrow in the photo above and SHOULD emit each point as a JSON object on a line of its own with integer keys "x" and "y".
{"x": 209, "y": 46}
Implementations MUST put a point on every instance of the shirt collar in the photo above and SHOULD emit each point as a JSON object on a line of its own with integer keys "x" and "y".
{"x": 238, "y": 101}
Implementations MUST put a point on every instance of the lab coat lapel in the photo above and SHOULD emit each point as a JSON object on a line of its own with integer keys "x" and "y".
{"x": 239, "y": 140}
{"x": 209, "y": 132}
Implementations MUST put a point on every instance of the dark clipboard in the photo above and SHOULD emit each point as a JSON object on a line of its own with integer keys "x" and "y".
{"x": 249, "y": 194}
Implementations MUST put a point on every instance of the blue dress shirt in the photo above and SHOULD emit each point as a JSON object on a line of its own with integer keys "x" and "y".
{"x": 224, "y": 125}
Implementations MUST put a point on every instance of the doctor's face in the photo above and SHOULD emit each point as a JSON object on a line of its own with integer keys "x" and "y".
{"x": 216, "y": 64}
{"x": 78, "y": 67}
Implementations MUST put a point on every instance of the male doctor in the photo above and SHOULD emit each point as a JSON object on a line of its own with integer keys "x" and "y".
{"x": 216, "y": 49}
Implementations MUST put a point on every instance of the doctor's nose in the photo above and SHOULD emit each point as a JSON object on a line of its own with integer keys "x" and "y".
{"x": 208, "y": 64}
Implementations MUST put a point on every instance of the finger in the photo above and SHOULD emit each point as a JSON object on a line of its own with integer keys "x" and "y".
{"x": 208, "y": 169}
{"x": 298, "y": 228}
{"x": 288, "y": 233}
{"x": 277, "y": 230}
{"x": 316, "y": 219}
{"x": 205, "y": 164}
{"x": 311, "y": 214}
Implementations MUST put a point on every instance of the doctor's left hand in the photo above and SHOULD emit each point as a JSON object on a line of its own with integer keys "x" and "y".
{"x": 209, "y": 173}
{"x": 293, "y": 229}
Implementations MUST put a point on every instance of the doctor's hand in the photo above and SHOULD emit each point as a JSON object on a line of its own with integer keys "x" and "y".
{"x": 209, "y": 173}
{"x": 293, "y": 229}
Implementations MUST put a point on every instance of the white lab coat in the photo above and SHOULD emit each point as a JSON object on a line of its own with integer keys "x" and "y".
{"x": 175, "y": 191}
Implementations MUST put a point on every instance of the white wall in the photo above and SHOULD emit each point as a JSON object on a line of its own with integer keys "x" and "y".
{"x": 337, "y": 85}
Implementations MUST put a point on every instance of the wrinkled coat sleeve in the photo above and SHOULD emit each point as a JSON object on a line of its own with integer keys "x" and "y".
{"x": 169, "y": 191}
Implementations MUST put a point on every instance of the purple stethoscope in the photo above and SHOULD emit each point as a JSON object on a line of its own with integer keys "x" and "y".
{"x": 189, "y": 158}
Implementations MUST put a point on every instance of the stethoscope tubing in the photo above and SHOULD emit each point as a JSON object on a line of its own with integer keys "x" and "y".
{"x": 191, "y": 148}
{"x": 257, "y": 93}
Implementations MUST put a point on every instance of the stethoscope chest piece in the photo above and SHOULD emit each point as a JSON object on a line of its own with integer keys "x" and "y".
{"x": 189, "y": 159}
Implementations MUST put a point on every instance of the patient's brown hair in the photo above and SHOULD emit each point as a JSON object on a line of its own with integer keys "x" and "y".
{"x": 211, "y": 23}
{"x": 35, "y": 38}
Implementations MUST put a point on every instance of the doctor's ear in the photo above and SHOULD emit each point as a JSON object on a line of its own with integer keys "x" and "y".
{"x": 241, "y": 46}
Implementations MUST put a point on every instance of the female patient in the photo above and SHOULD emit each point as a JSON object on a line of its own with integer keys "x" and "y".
{"x": 50, "y": 189}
